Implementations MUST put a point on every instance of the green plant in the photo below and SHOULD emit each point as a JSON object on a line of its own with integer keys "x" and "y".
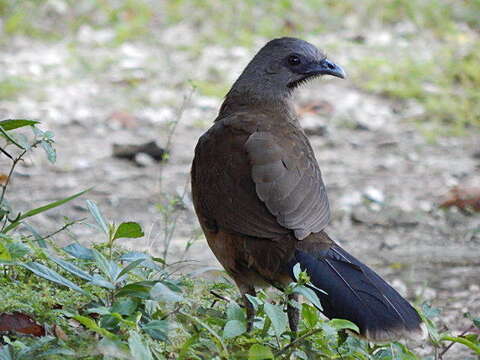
{"x": 11, "y": 249}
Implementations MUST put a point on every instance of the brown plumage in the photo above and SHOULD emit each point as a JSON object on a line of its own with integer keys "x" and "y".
{"x": 262, "y": 204}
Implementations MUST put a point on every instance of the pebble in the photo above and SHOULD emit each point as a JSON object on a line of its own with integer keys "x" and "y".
{"x": 144, "y": 160}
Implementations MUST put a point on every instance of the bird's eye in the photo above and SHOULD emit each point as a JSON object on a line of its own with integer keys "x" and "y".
{"x": 294, "y": 60}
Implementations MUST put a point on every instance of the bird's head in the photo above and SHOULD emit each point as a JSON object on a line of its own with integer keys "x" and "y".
{"x": 282, "y": 65}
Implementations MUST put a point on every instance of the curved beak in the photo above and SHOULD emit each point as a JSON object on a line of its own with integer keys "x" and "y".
{"x": 325, "y": 67}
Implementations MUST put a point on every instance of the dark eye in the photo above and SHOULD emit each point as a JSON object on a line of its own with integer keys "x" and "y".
{"x": 294, "y": 60}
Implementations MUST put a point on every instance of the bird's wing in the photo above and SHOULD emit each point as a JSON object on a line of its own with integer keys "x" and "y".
{"x": 254, "y": 182}
{"x": 288, "y": 180}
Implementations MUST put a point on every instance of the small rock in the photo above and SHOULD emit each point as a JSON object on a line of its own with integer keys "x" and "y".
{"x": 81, "y": 164}
{"x": 374, "y": 195}
{"x": 144, "y": 160}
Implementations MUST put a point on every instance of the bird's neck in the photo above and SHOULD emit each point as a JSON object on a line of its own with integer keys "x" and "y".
{"x": 239, "y": 99}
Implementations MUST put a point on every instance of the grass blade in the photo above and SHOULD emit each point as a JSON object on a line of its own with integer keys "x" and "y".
{"x": 44, "y": 208}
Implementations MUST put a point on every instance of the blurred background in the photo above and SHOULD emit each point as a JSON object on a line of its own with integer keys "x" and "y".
{"x": 395, "y": 140}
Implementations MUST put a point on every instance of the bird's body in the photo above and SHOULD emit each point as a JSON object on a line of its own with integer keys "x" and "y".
{"x": 262, "y": 204}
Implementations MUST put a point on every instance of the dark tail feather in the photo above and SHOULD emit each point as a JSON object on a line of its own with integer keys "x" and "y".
{"x": 357, "y": 293}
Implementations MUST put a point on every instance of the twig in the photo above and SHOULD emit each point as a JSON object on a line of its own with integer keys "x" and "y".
{"x": 453, "y": 342}
{"x": 181, "y": 110}
{"x": 66, "y": 226}
{"x": 225, "y": 298}
{"x": 174, "y": 311}
{"x": 297, "y": 340}
{"x": 15, "y": 162}
{"x": 186, "y": 99}
{"x": 6, "y": 153}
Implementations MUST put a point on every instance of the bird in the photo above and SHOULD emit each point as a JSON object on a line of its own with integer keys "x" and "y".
{"x": 261, "y": 202}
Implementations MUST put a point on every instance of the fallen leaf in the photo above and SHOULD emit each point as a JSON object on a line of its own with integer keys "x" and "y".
{"x": 463, "y": 198}
{"x": 3, "y": 179}
{"x": 20, "y": 323}
{"x": 320, "y": 107}
{"x": 59, "y": 333}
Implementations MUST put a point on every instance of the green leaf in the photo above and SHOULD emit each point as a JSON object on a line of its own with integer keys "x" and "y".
{"x": 255, "y": 301}
{"x": 260, "y": 352}
{"x": 211, "y": 331}
{"x": 309, "y": 294}
{"x": 42, "y": 209}
{"x": 129, "y": 267}
{"x": 461, "y": 340}
{"x": 138, "y": 290}
{"x": 40, "y": 240}
{"x": 161, "y": 292}
{"x": 56, "y": 351}
{"x": 32, "y": 349}
{"x": 299, "y": 354}
{"x": 235, "y": 312}
{"x": 234, "y": 328}
{"x": 7, "y": 352}
{"x": 48, "y": 135}
{"x": 72, "y": 269}
{"x": 296, "y": 271}
{"x": 78, "y": 251}
{"x": 157, "y": 329}
{"x": 50, "y": 151}
{"x": 11, "y": 124}
{"x": 97, "y": 215}
{"x": 92, "y": 325}
{"x": 49, "y": 274}
{"x": 100, "y": 281}
{"x": 126, "y": 306}
{"x": 17, "y": 250}
{"x": 23, "y": 140}
{"x": 138, "y": 349}
{"x": 430, "y": 312}
{"x": 340, "y": 324}
{"x": 309, "y": 315}
{"x": 135, "y": 255}
{"x": 101, "y": 310}
{"x": 130, "y": 230}
{"x": 109, "y": 268}
{"x": 476, "y": 322}
{"x": 112, "y": 349}
{"x": 4, "y": 253}
{"x": 277, "y": 316}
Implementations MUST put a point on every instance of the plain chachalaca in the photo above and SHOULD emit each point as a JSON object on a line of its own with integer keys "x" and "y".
{"x": 262, "y": 204}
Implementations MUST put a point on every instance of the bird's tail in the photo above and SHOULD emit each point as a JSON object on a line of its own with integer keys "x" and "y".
{"x": 356, "y": 293}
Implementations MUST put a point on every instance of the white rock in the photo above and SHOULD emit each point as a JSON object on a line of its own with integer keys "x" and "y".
{"x": 374, "y": 194}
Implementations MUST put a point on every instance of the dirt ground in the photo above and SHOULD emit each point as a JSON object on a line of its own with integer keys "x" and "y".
{"x": 384, "y": 179}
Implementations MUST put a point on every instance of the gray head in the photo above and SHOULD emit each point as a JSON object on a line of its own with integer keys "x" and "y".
{"x": 280, "y": 66}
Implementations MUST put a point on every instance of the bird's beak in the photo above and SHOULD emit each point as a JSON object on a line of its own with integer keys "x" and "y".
{"x": 325, "y": 67}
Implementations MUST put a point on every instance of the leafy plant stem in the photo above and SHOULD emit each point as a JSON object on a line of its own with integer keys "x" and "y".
{"x": 461, "y": 340}
{"x": 297, "y": 340}
{"x": 12, "y": 168}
